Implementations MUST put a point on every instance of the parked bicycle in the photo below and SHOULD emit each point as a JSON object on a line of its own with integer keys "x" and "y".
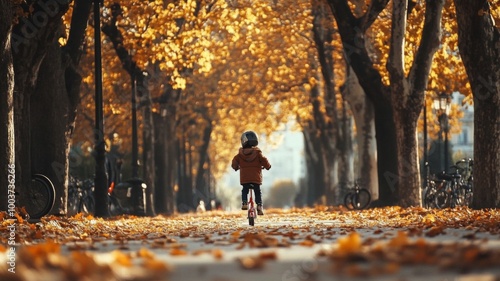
{"x": 80, "y": 196}
{"x": 119, "y": 199}
{"x": 467, "y": 184}
{"x": 457, "y": 190}
{"x": 358, "y": 198}
{"x": 40, "y": 197}
{"x": 431, "y": 188}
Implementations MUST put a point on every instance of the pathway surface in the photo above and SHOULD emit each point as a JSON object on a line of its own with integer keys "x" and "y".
{"x": 300, "y": 244}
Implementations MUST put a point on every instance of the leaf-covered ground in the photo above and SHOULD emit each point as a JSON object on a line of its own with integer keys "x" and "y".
{"x": 381, "y": 242}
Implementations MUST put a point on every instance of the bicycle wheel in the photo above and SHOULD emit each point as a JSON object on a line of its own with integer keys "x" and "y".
{"x": 41, "y": 196}
{"x": 429, "y": 197}
{"x": 73, "y": 201}
{"x": 361, "y": 199}
{"x": 467, "y": 195}
{"x": 87, "y": 204}
{"x": 348, "y": 201}
{"x": 442, "y": 199}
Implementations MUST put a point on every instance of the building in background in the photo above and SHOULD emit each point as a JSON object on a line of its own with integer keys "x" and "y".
{"x": 462, "y": 144}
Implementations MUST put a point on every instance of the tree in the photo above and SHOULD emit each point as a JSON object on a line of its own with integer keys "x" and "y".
{"x": 327, "y": 119}
{"x": 140, "y": 88}
{"x": 7, "y": 153}
{"x": 43, "y": 129}
{"x": 352, "y": 31}
{"x": 400, "y": 103}
{"x": 479, "y": 44}
{"x": 407, "y": 93}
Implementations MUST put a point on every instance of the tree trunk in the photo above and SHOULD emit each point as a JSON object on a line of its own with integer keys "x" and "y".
{"x": 167, "y": 152}
{"x": 7, "y": 141}
{"x": 479, "y": 43}
{"x": 346, "y": 153}
{"x": 160, "y": 162}
{"x": 364, "y": 116}
{"x": 352, "y": 32}
{"x": 387, "y": 160}
{"x": 30, "y": 38}
{"x": 53, "y": 107}
{"x": 50, "y": 128}
{"x": 315, "y": 182}
{"x": 394, "y": 140}
{"x": 404, "y": 117}
{"x": 171, "y": 151}
{"x": 201, "y": 185}
{"x": 407, "y": 94}
{"x": 409, "y": 192}
{"x": 327, "y": 121}
{"x": 185, "y": 199}
{"x": 147, "y": 144}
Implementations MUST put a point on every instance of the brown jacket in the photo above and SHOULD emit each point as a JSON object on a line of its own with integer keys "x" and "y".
{"x": 250, "y": 161}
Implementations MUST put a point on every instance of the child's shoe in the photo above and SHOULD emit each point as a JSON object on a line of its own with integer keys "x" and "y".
{"x": 244, "y": 206}
{"x": 259, "y": 210}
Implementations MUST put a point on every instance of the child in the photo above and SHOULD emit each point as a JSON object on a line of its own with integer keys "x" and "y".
{"x": 251, "y": 161}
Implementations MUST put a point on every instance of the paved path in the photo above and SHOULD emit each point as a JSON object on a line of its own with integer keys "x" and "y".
{"x": 300, "y": 262}
{"x": 295, "y": 246}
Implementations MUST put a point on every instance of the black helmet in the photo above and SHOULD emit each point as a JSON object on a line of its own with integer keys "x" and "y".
{"x": 249, "y": 139}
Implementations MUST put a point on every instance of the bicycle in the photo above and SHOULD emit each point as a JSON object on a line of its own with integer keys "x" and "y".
{"x": 457, "y": 191}
{"x": 466, "y": 187}
{"x": 358, "y": 198}
{"x": 80, "y": 196}
{"x": 252, "y": 212}
{"x": 119, "y": 196}
{"x": 40, "y": 197}
{"x": 431, "y": 188}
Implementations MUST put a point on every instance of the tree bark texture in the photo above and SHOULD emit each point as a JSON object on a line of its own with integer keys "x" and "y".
{"x": 315, "y": 181}
{"x": 327, "y": 122}
{"x": 398, "y": 164}
{"x": 50, "y": 132}
{"x": 166, "y": 153}
{"x": 479, "y": 44}
{"x": 364, "y": 116}
{"x": 7, "y": 141}
{"x": 346, "y": 153}
{"x": 201, "y": 185}
{"x": 352, "y": 31}
{"x": 30, "y": 39}
{"x": 407, "y": 94}
{"x": 324, "y": 148}
{"x": 160, "y": 163}
{"x": 53, "y": 105}
{"x": 147, "y": 145}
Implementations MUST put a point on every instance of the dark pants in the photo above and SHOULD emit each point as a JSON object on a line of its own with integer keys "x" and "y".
{"x": 256, "y": 189}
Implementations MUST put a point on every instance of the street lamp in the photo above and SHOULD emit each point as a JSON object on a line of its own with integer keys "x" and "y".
{"x": 442, "y": 105}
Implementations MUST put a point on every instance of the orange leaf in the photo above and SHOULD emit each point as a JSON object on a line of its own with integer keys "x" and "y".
{"x": 122, "y": 258}
{"x": 349, "y": 244}
{"x": 178, "y": 252}
{"x": 218, "y": 254}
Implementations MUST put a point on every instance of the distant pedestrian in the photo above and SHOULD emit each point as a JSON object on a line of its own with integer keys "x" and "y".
{"x": 250, "y": 162}
{"x": 201, "y": 207}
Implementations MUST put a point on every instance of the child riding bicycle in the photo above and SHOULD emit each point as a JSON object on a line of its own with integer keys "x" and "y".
{"x": 250, "y": 162}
